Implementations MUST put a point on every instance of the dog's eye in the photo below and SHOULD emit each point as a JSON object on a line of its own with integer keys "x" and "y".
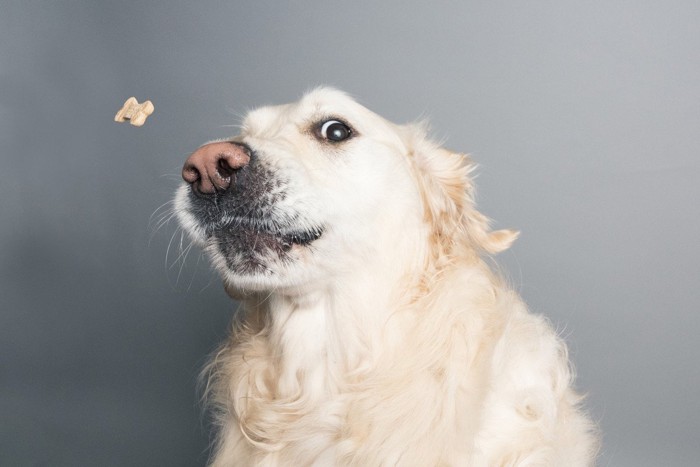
{"x": 335, "y": 131}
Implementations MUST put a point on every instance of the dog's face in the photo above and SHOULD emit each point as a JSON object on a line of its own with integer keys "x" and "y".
{"x": 318, "y": 186}
{"x": 324, "y": 176}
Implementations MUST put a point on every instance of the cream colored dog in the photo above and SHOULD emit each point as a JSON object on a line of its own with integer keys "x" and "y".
{"x": 373, "y": 334}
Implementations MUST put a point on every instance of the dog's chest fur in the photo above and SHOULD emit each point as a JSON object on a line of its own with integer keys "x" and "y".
{"x": 304, "y": 392}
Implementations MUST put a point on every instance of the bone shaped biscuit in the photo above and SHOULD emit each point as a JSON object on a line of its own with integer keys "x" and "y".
{"x": 134, "y": 112}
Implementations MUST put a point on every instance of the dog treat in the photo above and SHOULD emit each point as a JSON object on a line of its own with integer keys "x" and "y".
{"x": 134, "y": 112}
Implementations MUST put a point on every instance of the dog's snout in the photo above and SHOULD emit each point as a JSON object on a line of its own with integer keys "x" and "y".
{"x": 211, "y": 167}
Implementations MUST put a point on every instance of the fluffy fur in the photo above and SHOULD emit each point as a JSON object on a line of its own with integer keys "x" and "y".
{"x": 388, "y": 340}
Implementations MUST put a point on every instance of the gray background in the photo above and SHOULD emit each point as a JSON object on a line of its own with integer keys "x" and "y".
{"x": 584, "y": 116}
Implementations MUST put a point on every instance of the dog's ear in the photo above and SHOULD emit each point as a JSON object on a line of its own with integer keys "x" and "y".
{"x": 491, "y": 241}
{"x": 445, "y": 180}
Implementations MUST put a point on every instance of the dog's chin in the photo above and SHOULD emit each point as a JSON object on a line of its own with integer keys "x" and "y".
{"x": 256, "y": 260}
{"x": 289, "y": 278}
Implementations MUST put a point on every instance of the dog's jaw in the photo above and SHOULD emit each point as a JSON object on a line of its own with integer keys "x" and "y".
{"x": 251, "y": 254}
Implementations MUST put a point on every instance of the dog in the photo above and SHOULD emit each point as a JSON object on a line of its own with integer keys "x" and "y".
{"x": 372, "y": 330}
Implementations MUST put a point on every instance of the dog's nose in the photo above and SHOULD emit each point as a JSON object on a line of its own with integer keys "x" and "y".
{"x": 209, "y": 169}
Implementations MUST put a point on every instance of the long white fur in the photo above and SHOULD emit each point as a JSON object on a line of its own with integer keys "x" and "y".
{"x": 389, "y": 341}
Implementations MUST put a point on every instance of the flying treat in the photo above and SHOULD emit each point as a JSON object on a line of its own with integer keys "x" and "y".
{"x": 134, "y": 112}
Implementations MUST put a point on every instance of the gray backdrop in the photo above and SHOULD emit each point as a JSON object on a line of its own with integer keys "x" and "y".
{"x": 584, "y": 116}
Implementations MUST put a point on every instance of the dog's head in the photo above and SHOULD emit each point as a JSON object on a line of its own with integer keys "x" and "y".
{"x": 307, "y": 190}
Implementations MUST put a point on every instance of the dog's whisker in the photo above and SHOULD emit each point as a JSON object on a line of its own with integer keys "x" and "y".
{"x": 164, "y": 220}
{"x": 209, "y": 283}
{"x": 194, "y": 270}
{"x": 184, "y": 260}
{"x": 180, "y": 259}
{"x": 167, "y": 204}
{"x": 167, "y": 217}
{"x": 167, "y": 250}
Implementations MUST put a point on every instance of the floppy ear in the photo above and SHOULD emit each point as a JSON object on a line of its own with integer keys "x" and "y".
{"x": 491, "y": 241}
{"x": 446, "y": 186}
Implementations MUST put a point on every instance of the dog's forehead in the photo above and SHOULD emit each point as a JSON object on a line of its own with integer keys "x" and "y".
{"x": 318, "y": 104}
{"x": 330, "y": 101}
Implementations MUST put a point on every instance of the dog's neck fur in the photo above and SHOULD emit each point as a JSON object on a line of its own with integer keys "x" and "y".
{"x": 319, "y": 337}
{"x": 300, "y": 352}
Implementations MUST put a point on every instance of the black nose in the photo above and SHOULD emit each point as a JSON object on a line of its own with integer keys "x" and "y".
{"x": 209, "y": 168}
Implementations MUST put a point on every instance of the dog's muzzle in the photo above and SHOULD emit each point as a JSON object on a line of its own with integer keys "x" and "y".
{"x": 237, "y": 203}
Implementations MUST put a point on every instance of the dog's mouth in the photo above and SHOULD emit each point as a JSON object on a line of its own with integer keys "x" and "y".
{"x": 283, "y": 233}
{"x": 302, "y": 237}
{"x": 251, "y": 248}
{"x": 276, "y": 238}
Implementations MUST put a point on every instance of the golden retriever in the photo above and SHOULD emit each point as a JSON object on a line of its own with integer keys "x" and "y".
{"x": 372, "y": 332}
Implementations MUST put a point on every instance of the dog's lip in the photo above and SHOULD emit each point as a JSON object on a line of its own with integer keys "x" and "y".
{"x": 303, "y": 237}
{"x": 285, "y": 235}
{"x": 294, "y": 237}
{"x": 288, "y": 239}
